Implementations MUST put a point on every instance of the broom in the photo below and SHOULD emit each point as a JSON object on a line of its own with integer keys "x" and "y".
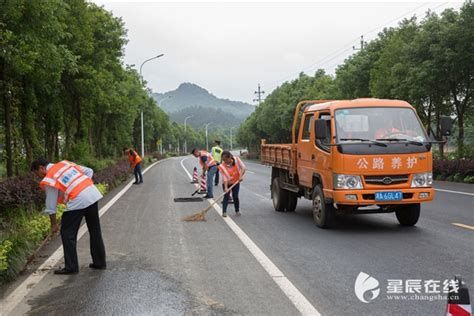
{"x": 201, "y": 216}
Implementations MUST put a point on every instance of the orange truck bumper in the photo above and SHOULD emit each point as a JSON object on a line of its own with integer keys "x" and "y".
{"x": 367, "y": 197}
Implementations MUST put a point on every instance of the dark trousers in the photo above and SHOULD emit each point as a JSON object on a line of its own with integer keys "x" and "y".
{"x": 216, "y": 179}
{"x": 137, "y": 171}
{"x": 70, "y": 223}
{"x": 235, "y": 195}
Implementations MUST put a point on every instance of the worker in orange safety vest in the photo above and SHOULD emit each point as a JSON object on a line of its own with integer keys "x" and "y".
{"x": 232, "y": 170}
{"x": 209, "y": 166}
{"x": 135, "y": 164}
{"x": 71, "y": 184}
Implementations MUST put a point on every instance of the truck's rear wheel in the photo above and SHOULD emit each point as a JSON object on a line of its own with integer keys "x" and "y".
{"x": 323, "y": 213}
{"x": 292, "y": 202}
{"x": 279, "y": 196}
{"x": 408, "y": 215}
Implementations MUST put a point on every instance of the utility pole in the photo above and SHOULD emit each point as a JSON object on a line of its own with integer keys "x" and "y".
{"x": 362, "y": 43}
{"x": 231, "y": 147}
{"x": 141, "y": 110}
{"x": 259, "y": 94}
{"x": 185, "y": 135}
{"x": 207, "y": 138}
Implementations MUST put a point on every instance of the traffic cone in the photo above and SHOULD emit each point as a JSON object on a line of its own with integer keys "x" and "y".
{"x": 203, "y": 185}
{"x": 458, "y": 301}
{"x": 195, "y": 176}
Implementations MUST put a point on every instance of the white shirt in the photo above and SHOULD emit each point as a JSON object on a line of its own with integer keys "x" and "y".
{"x": 86, "y": 198}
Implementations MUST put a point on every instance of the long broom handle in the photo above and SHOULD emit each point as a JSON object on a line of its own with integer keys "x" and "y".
{"x": 219, "y": 197}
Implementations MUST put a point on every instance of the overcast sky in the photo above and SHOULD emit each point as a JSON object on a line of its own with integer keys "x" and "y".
{"x": 228, "y": 48}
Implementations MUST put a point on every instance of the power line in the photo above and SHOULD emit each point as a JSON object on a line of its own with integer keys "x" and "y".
{"x": 320, "y": 62}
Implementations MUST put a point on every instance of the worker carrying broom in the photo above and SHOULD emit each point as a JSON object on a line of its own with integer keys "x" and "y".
{"x": 216, "y": 153}
{"x": 232, "y": 170}
{"x": 135, "y": 164}
{"x": 209, "y": 166}
{"x": 71, "y": 184}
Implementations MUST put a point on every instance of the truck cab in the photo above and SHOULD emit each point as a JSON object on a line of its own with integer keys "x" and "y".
{"x": 353, "y": 156}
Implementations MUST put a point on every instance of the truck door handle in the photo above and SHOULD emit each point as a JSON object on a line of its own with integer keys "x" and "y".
{"x": 299, "y": 155}
{"x": 312, "y": 157}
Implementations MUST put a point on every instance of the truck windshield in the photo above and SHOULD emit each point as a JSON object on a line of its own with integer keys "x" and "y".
{"x": 383, "y": 124}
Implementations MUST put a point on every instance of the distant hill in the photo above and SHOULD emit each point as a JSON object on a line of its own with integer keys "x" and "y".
{"x": 190, "y": 99}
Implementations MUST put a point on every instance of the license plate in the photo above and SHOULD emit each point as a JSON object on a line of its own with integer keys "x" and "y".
{"x": 388, "y": 196}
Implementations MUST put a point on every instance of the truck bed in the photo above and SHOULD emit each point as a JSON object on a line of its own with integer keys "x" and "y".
{"x": 279, "y": 155}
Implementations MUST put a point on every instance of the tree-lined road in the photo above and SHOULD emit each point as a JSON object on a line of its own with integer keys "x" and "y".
{"x": 158, "y": 264}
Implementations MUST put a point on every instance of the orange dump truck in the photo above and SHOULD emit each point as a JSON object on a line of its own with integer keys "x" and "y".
{"x": 353, "y": 157}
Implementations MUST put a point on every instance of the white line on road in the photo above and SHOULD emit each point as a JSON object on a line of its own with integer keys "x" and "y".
{"x": 457, "y": 192}
{"x": 15, "y": 297}
{"x": 293, "y": 294}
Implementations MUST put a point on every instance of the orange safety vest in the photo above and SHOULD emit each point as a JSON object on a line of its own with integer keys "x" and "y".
{"x": 134, "y": 160}
{"x": 210, "y": 160}
{"x": 231, "y": 173}
{"x": 68, "y": 178}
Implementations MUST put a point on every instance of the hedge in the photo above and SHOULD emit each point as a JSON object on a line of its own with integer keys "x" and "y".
{"x": 459, "y": 170}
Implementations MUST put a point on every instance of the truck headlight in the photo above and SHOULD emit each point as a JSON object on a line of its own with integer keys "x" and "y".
{"x": 422, "y": 180}
{"x": 348, "y": 182}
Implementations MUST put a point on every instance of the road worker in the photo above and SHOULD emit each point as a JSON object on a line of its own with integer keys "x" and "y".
{"x": 71, "y": 184}
{"x": 216, "y": 153}
{"x": 209, "y": 166}
{"x": 135, "y": 164}
{"x": 232, "y": 170}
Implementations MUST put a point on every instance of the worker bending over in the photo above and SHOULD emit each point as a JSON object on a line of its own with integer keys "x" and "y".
{"x": 232, "y": 170}
{"x": 135, "y": 164}
{"x": 209, "y": 166}
{"x": 71, "y": 184}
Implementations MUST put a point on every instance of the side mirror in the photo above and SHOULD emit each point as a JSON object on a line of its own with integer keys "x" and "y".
{"x": 321, "y": 130}
{"x": 446, "y": 124}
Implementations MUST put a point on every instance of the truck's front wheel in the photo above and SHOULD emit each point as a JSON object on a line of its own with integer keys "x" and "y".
{"x": 408, "y": 215}
{"x": 279, "y": 196}
{"x": 292, "y": 202}
{"x": 323, "y": 213}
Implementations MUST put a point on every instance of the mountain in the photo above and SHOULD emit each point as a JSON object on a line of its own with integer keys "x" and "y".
{"x": 191, "y": 99}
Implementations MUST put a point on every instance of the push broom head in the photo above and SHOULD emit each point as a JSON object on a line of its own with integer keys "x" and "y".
{"x": 198, "y": 217}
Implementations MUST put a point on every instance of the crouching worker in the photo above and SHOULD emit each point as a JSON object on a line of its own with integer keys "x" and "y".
{"x": 232, "y": 170}
{"x": 71, "y": 184}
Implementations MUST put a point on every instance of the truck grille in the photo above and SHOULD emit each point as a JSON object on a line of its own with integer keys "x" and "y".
{"x": 386, "y": 180}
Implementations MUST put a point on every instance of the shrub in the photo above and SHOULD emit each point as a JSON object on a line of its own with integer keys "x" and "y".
{"x": 25, "y": 232}
{"x": 20, "y": 192}
{"x": 114, "y": 175}
{"x": 251, "y": 155}
{"x": 458, "y": 177}
{"x": 449, "y": 168}
{"x": 156, "y": 155}
{"x": 469, "y": 179}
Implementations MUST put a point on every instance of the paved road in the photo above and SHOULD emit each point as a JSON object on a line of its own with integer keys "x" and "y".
{"x": 158, "y": 264}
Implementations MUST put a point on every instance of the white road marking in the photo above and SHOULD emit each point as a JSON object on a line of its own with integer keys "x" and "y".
{"x": 251, "y": 172}
{"x": 293, "y": 294}
{"x": 18, "y": 294}
{"x": 457, "y": 192}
